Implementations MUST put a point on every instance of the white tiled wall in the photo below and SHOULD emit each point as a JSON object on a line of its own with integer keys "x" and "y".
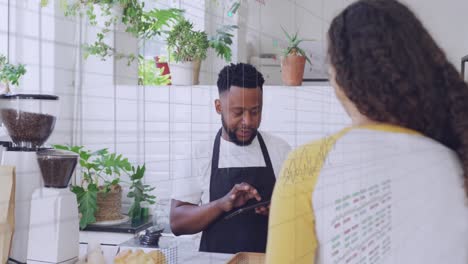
{"x": 178, "y": 117}
{"x": 159, "y": 125}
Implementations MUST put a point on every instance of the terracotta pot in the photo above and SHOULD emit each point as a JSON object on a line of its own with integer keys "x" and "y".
{"x": 109, "y": 205}
{"x": 292, "y": 70}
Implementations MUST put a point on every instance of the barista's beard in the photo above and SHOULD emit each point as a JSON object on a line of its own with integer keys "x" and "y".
{"x": 232, "y": 135}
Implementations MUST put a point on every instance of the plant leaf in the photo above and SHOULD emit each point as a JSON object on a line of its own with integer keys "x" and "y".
{"x": 286, "y": 33}
{"x": 87, "y": 204}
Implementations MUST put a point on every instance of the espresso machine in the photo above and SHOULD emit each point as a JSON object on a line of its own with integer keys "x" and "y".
{"x": 46, "y": 213}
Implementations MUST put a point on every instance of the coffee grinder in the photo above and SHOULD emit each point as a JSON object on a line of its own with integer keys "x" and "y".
{"x": 54, "y": 222}
{"x": 29, "y": 120}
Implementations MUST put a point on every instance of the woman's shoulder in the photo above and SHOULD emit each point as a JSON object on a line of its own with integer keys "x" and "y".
{"x": 319, "y": 147}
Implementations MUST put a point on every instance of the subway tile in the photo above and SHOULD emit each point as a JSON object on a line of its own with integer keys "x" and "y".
{"x": 98, "y": 108}
{"x": 24, "y": 21}
{"x": 127, "y": 111}
{"x": 158, "y": 150}
{"x": 201, "y": 95}
{"x": 157, "y": 112}
{"x": 201, "y": 114}
{"x": 127, "y": 92}
{"x": 180, "y": 94}
{"x": 157, "y": 93}
{"x": 180, "y": 113}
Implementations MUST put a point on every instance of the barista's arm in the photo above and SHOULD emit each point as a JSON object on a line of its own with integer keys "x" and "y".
{"x": 187, "y": 218}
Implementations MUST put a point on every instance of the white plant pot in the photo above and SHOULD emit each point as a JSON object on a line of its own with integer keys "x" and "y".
{"x": 185, "y": 73}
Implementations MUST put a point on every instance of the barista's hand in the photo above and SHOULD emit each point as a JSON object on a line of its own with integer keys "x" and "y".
{"x": 238, "y": 196}
{"x": 263, "y": 210}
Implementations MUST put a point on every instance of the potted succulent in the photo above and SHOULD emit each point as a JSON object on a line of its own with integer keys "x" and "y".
{"x": 10, "y": 74}
{"x": 293, "y": 60}
{"x": 187, "y": 48}
{"x": 99, "y": 193}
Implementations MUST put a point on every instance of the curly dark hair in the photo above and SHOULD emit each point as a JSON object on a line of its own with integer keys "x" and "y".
{"x": 242, "y": 75}
{"x": 391, "y": 68}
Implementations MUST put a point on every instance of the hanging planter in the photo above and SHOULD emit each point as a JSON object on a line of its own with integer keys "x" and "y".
{"x": 129, "y": 16}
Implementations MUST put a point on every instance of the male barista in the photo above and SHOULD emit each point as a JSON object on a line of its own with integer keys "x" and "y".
{"x": 238, "y": 168}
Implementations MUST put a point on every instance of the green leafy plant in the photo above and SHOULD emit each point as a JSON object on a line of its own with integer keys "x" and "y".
{"x": 221, "y": 42}
{"x": 9, "y": 73}
{"x": 139, "y": 191}
{"x": 149, "y": 74}
{"x": 101, "y": 171}
{"x": 293, "y": 45}
{"x": 136, "y": 21}
{"x": 186, "y": 44}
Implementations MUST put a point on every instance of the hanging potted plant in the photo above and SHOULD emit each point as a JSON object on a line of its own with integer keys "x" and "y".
{"x": 187, "y": 48}
{"x": 293, "y": 61}
{"x": 130, "y": 15}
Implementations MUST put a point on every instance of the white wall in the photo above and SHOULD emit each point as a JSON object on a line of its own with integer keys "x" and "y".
{"x": 261, "y": 31}
{"x": 447, "y": 22}
{"x": 176, "y": 118}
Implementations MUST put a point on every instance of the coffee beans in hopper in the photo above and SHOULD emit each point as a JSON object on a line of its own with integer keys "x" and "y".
{"x": 57, "y": 171}
{"x": 28, "y": 127}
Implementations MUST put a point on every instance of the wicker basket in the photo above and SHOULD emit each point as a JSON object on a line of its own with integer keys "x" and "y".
{"x": 109, "y": 205}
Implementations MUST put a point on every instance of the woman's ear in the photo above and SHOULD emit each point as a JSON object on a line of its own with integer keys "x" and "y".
{"x": 218, "y": 106}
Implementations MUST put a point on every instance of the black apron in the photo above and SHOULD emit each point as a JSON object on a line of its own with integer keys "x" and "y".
{"x": 246, "y": 232}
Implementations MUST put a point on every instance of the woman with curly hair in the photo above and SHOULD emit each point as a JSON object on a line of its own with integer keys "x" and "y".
{"x": 392, "y": 188}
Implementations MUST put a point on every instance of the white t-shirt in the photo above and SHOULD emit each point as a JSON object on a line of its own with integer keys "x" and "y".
{"x": 192, "y": 179}
{"x": 398, "y": 198}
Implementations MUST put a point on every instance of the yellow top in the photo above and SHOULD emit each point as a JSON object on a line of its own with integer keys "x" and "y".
{"x": 291, "y": 237}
